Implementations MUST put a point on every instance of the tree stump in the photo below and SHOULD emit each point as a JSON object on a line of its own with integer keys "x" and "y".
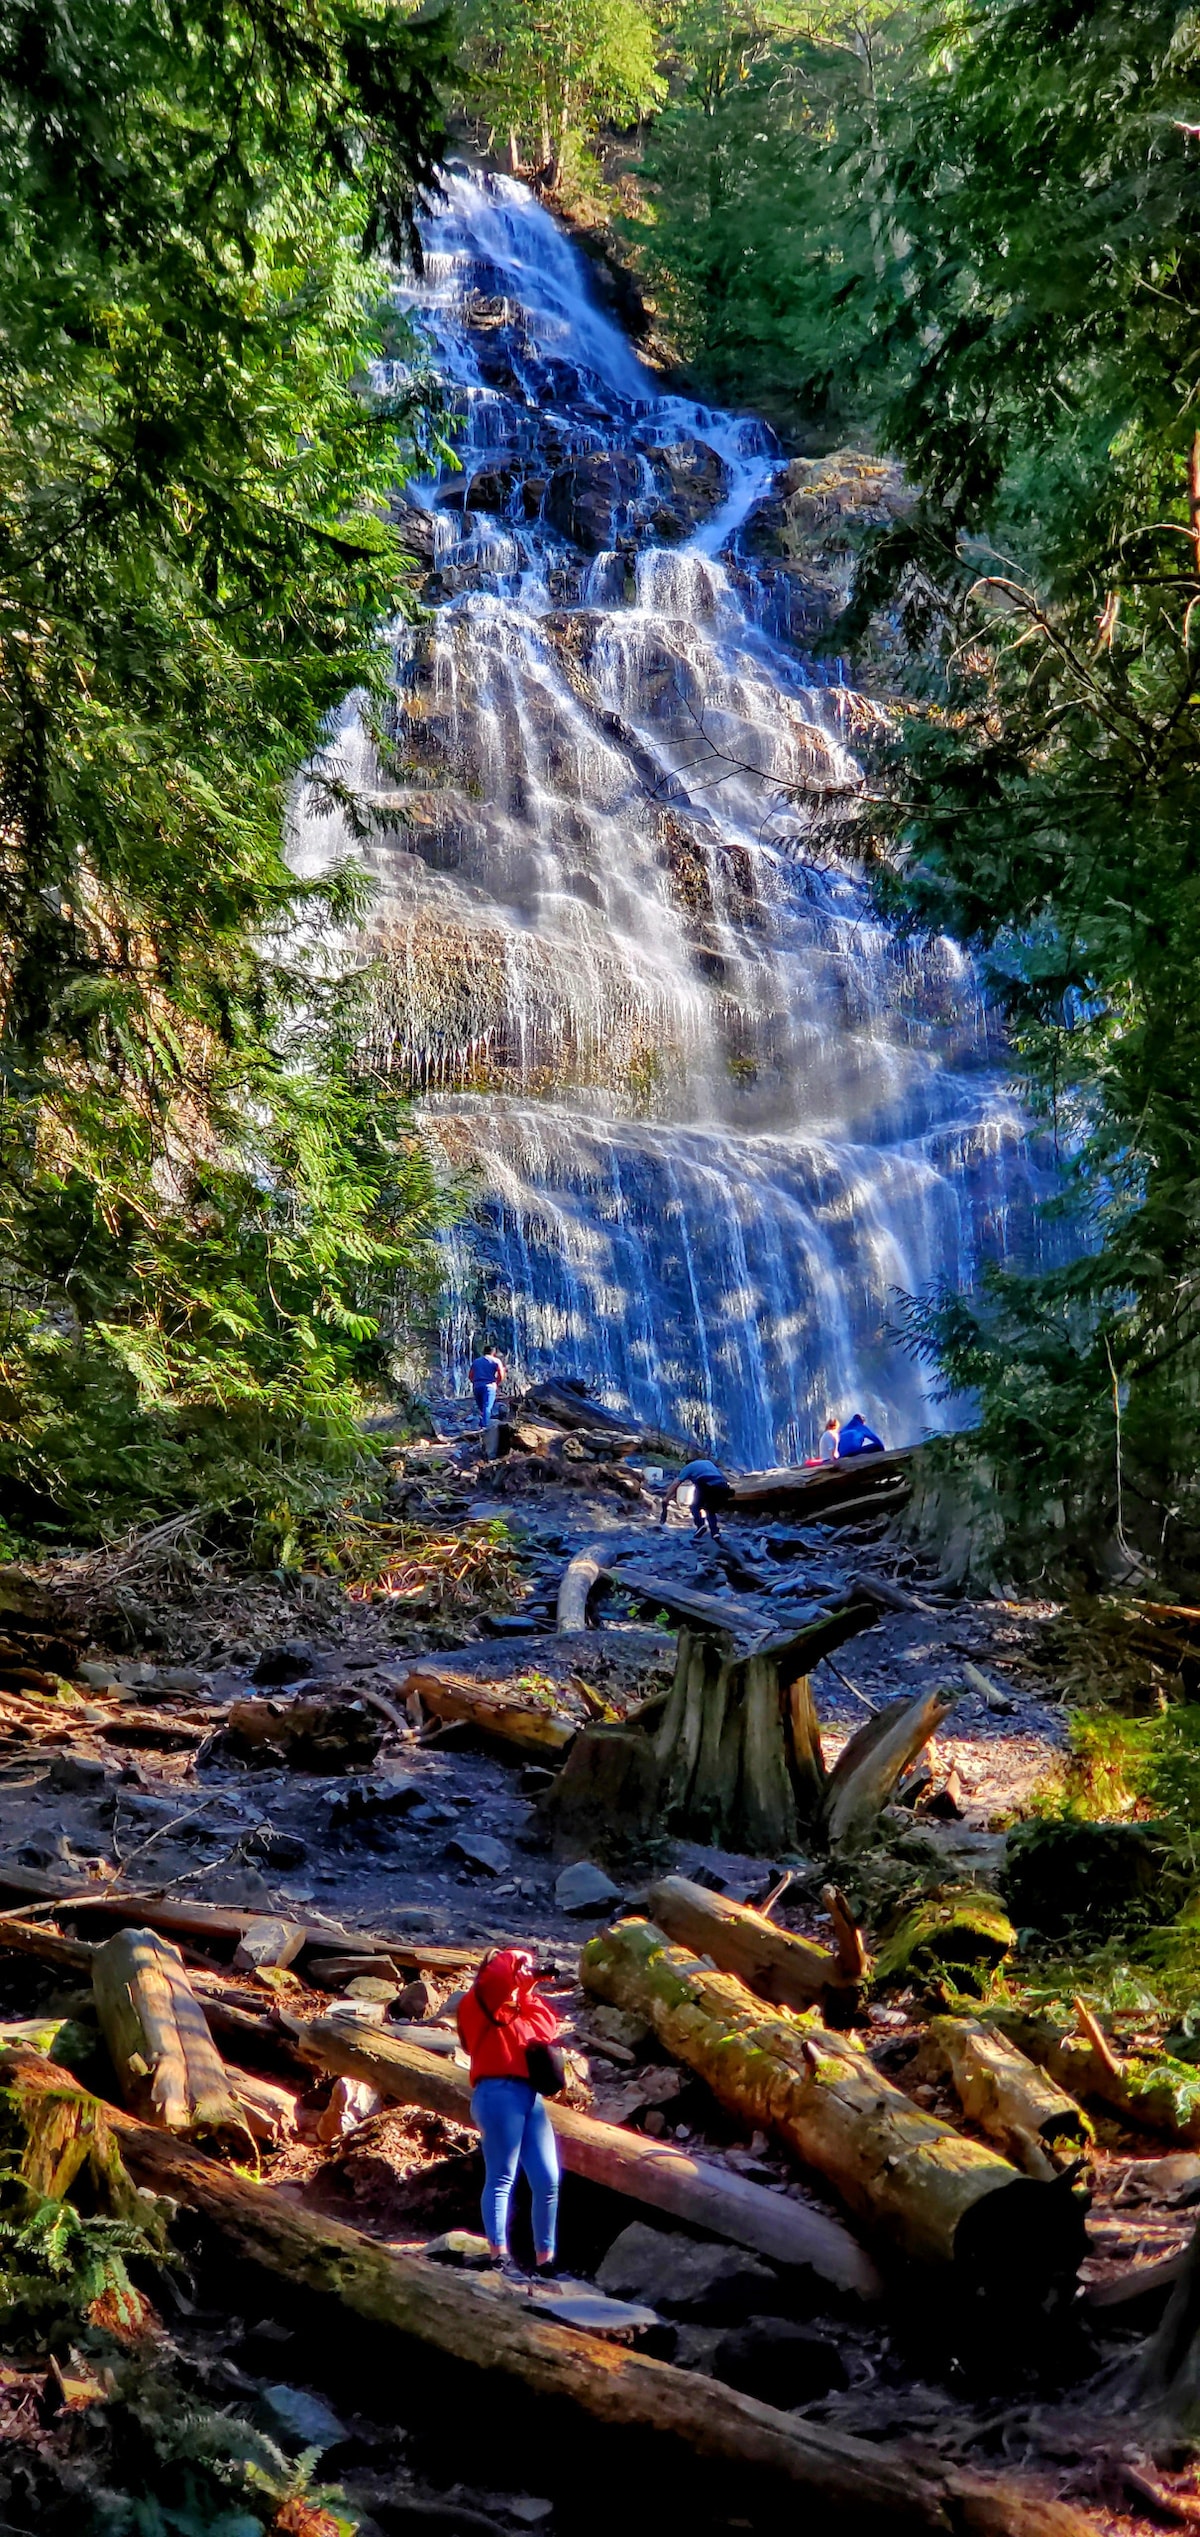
{"x": 738, "y": 1750}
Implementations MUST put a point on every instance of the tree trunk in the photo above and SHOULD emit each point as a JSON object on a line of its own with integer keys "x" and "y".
{"x": 878, "y": 1479}
{"x": 628, "y": 2163}
{"x": 691, "y": 2428}
{"x": 209, "y": 1921}
{"x": 1020, "y": 2107}
{"x": 791, "y": 1972}
{"x": 1161, "y": 2095}
{"x": 167, "y": 2065}
{"x": 539, "y": 1732}
{"x": 575, "y": 1592}
{"x": 939, "y": 2197}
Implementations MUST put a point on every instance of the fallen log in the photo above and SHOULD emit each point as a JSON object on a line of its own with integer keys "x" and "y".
{"x": 689, "y": 2425}
{"x": 582, "y": 1577}
{"x": 939, "y": 2197}
{"x": 1017, "y": 2104}
{"x": 628, "y": 2163}
{"x": 817, "y": 1495}
{"x": 873, "y": 1763}
{"x": 218, "y": 1921}
{"x": 792, "y": 1972}
{"x": 1162, "y": 2095}
{"x": 167, "y": 2065}
{"x": 512, "y": 1722}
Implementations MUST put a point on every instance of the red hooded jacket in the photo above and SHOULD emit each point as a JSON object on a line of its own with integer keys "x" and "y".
{"x": 503, "y": 2012}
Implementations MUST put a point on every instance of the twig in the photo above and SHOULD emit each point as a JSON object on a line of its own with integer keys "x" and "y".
{"x": 1095, "y": 2036}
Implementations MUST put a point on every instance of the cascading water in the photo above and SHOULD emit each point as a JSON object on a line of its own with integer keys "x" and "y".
{"x": 717, "y": 1114}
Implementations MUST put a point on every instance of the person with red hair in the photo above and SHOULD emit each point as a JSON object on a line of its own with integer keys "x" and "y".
{"x": 499, "y": 2018}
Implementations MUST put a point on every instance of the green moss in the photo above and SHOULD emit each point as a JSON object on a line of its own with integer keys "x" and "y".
{"x": 955, "y": 1928}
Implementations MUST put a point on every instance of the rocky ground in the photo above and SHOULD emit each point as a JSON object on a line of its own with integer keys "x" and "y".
{"x": 438, "y": 1841}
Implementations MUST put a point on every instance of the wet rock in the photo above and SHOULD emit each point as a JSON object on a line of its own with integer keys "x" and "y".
{"x": 588, "y": 501}
{"x": 369, "y": 1802}
{"x": 694, "y": 480}
{"x": 781, "y": 2363}
{"x": 492, "y": 488}
{"x": 477, "y": 1851}
{"x": 461, "y": 2247}
{"x": 274, "y": 1849}
{"x": 290, "y": 1661}
{"x": 302, "y": 2417}
{"x": 77, "y": 1774}
{"x": 414, "y": 2001}
{"x": 584, "y": 1891}
{"x": 683, "y": 2278}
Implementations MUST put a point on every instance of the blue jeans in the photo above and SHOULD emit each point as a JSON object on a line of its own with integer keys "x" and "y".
{"x": 485, "y": 1400}
{"x": 517, "y": 2132}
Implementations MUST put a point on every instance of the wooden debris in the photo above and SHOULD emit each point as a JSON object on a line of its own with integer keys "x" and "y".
{"x": 738, "y": 1747}
{"x": 319, "y": 1731}
{"x": 220, "y": 1922}
{"x": 792, "y": 1972}
{"x": 849, "y": 1946}
{"x": 629, "y": 2163}
{"x": 939, "y": 2197}
{"x": 579, "y": 1584}
{"x": 874, "y": 1761}
{"x": 610, "y": 1775}
{"x": 520, "y": 1723}
{"x": 689, "y": 2427}
{"x": 1017, "y": 2104}
{"x": 166, "y": 2062}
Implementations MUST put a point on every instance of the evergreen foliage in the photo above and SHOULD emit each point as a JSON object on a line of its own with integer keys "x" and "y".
{"x": 203, "y": 1209}
{"x": 545, "y": 74}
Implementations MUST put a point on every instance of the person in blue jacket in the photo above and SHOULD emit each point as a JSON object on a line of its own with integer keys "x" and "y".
{"x": 857, "y": 1437}
{"x": 487, "y": 1375}
{"x": 709, "y": 1489}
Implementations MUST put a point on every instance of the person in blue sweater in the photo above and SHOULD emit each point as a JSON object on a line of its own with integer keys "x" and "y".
{"x": 709, "y": 1489}
{"x": 857, "y": 1437}
{"x": 487, "y": 1375}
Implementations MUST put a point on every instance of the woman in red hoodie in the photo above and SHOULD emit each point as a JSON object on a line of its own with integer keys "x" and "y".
{"x": 500, "y": 2016}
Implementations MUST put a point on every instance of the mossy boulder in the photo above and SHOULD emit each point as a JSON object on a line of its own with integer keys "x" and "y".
{"x": 1098, "y": 1876}
{"x": 955, "y": 1930}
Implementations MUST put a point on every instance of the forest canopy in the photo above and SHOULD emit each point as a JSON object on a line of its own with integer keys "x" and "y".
{"x": 205, "y": 1214}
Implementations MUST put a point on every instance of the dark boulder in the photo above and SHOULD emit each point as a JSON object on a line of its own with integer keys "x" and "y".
{"x": 588, "y": 500}
{"x": 781, "y": 2363}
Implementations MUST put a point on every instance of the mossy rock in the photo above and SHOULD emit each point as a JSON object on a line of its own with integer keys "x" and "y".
{"x": 953, "y": 1929}
{"x": 1100, "y": 1875}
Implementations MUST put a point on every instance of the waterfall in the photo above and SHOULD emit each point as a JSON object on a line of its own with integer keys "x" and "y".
{"x": 712, "y": 1114}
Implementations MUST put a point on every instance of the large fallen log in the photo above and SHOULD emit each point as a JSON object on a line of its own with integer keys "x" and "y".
{"x": 792, "y": 1972}
{"x": 825, "y": 1495}
{"x": 167, "y": 2065}
{"x": 578, "y": 1585}
{"x": 1017, "y": 2104}
{"x": 687, "y": 2425}
{"x": 211, "y": 1921}
{"x": 873, "y": 1763}
{"x": 627, "y": 2163}
{"x": 937, "y": 2196}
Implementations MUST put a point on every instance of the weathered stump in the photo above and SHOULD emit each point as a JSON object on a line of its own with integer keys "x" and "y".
{"x": 738, "y": 1750}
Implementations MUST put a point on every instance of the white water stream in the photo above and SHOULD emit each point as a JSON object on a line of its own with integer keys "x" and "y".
{"x": 718, "y": 1115}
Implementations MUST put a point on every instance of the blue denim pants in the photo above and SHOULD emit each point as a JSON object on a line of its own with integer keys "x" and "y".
{"x": 485, "y": 1400}
{"x": 517, "y": 2132}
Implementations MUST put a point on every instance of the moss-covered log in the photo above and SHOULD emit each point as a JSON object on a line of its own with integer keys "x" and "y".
{"x": 1016, "y": 2103}
{"x": 630, "y": 2163}
{"x": 958, "y": 1930}
{"x": 938, "y": 2197}
{"x": 1161, "y": 2095}
{"x": 791, "y": 1971}
{"x": 688, "y": 2426}
{"x": 167, "y": 2065}
{"x": 539, "y": 1732}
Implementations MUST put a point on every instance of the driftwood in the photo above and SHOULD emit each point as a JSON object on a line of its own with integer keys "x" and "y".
{"x": 937, "y": 2196}
{"x": 216, "y": 1921}
{"x": 873, "y": 1763}
{"x": 792, "y": 1972}
{"x": 518, "y": 1723}
{"x": 688, "y": 2426}
{"x": 582, "y": 1577}
{"x": 629, "y": 2163}
{"x": 1017, "y": 2104}
{"x": 167, "y": 2065}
